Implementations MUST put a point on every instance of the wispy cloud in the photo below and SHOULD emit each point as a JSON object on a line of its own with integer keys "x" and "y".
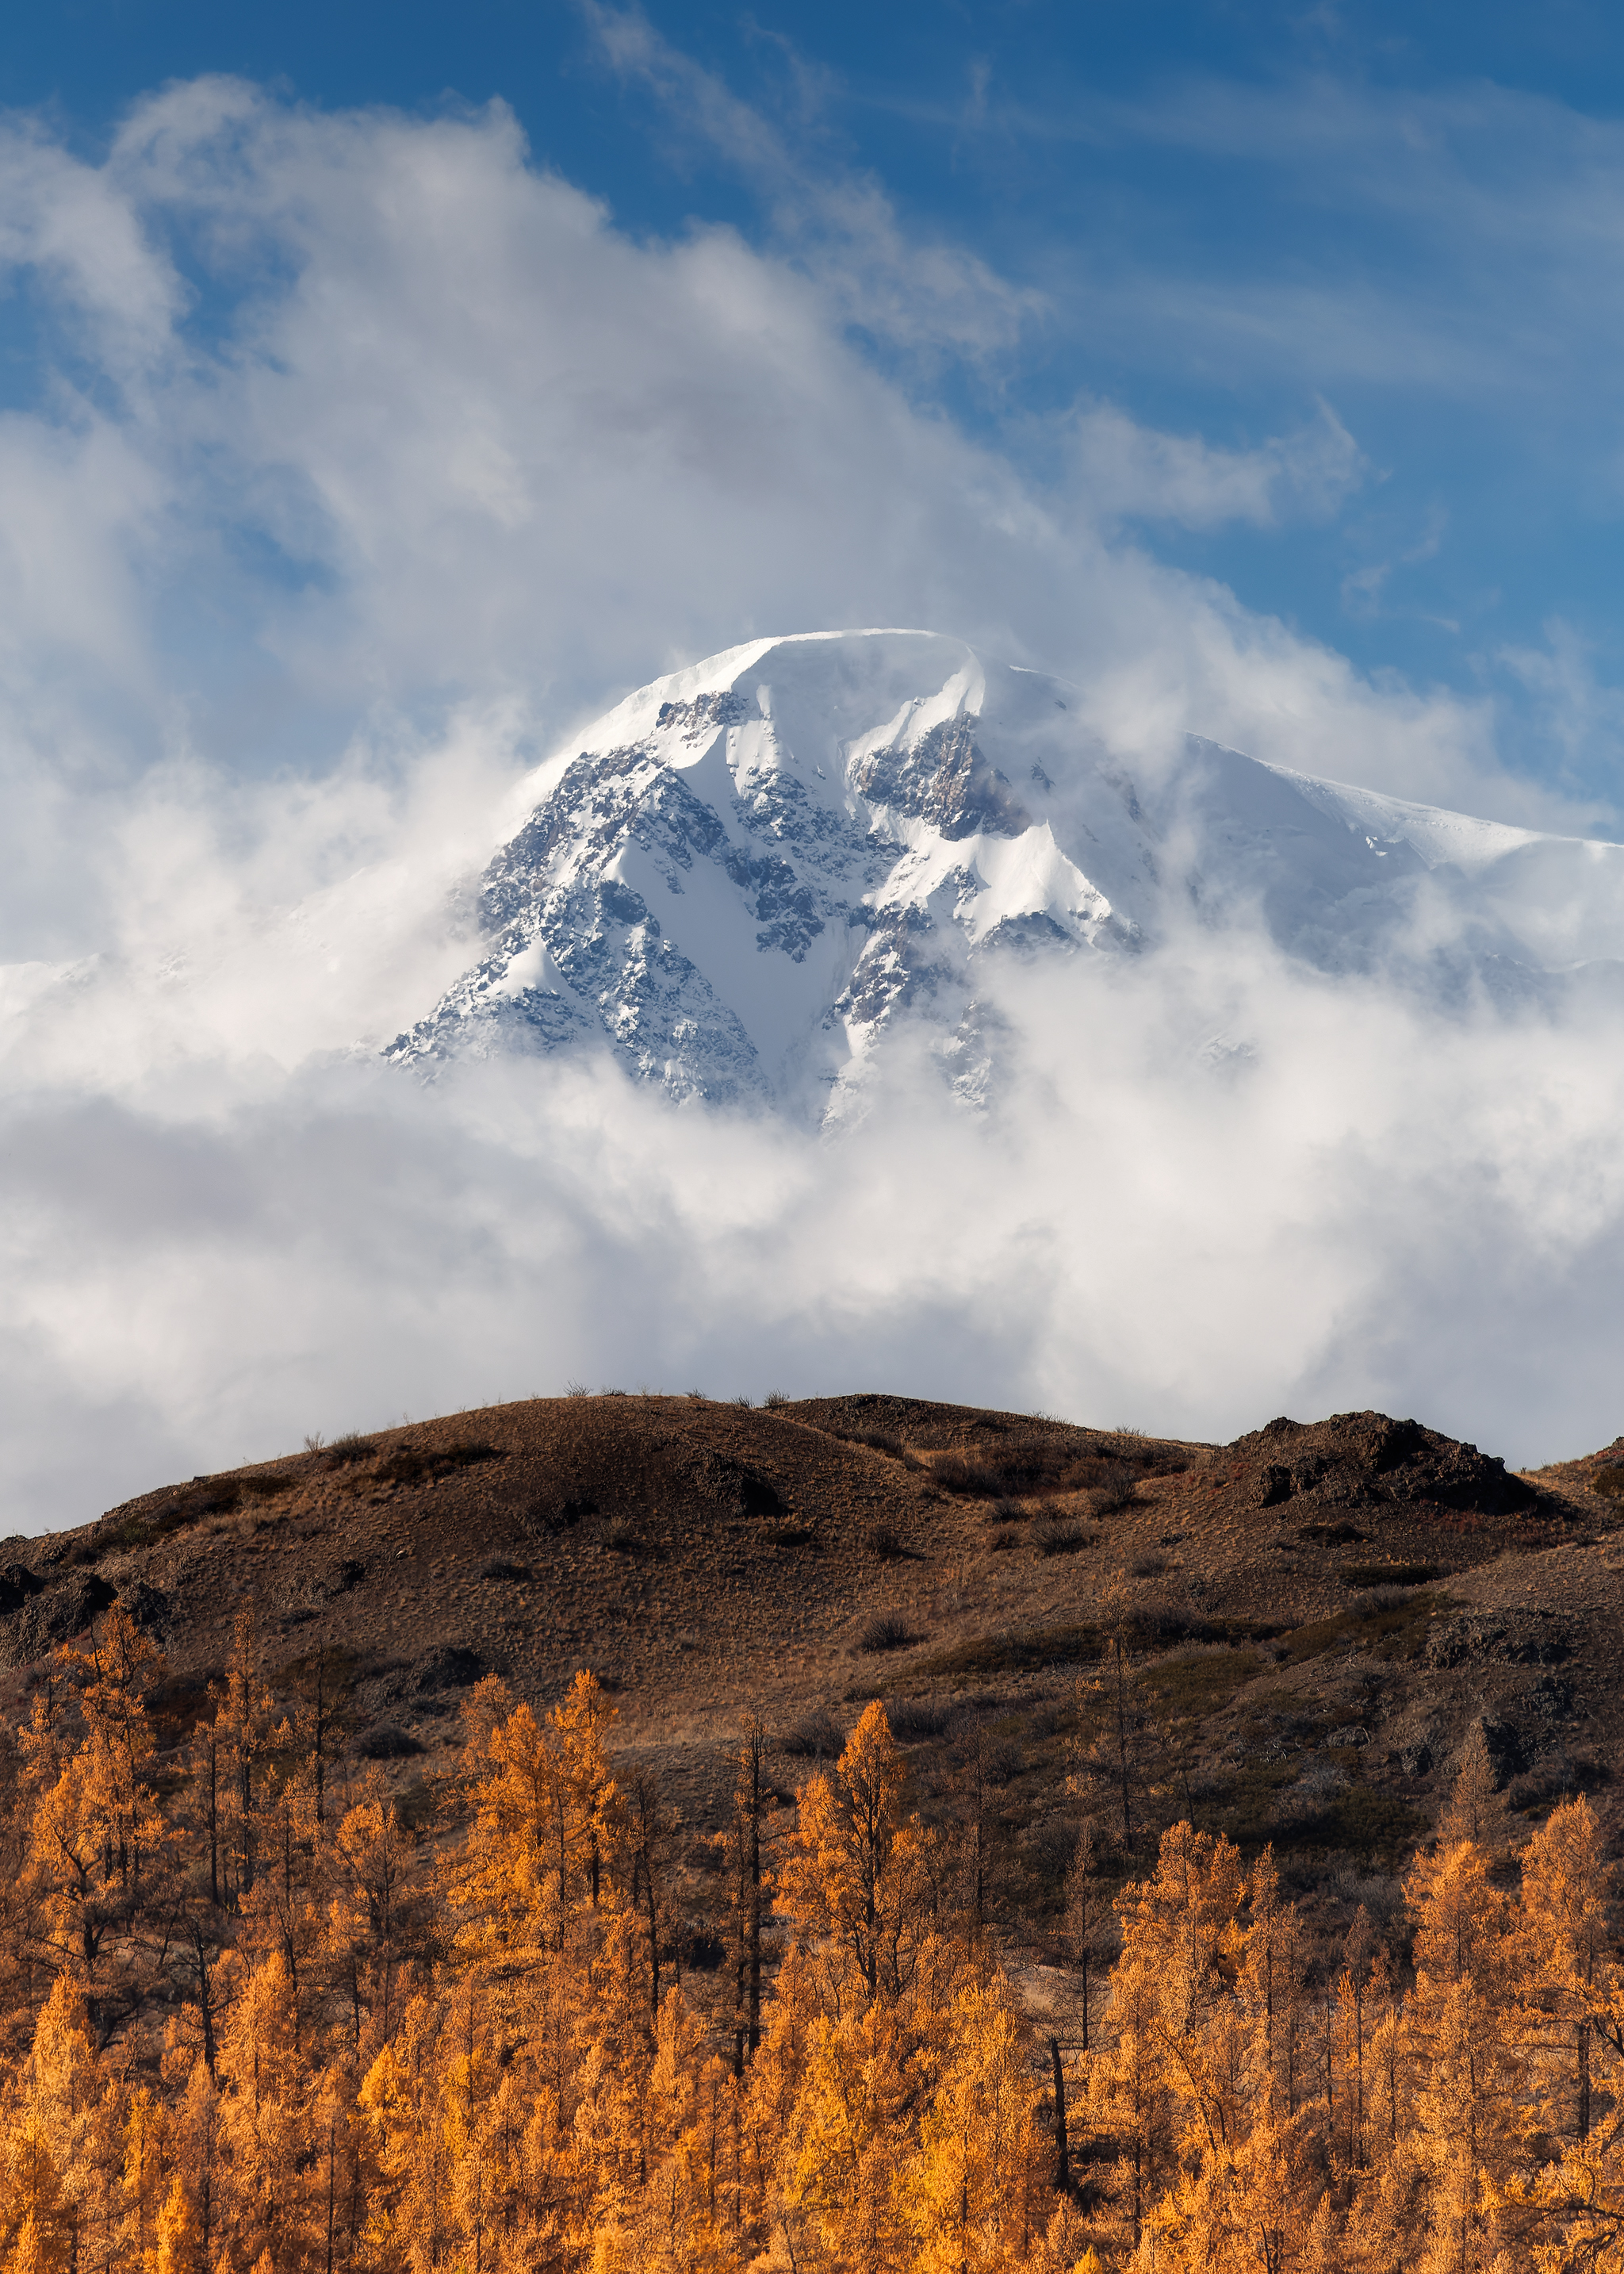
{"x": 1125, "y": 469}
{"x": 914, "y": 291}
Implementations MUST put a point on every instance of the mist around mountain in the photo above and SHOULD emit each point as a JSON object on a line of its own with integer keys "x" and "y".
{"x": 874, "y": 1012}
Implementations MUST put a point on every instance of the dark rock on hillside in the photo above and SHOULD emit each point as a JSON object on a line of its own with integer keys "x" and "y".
{"x": 149, "y": 1608}
{"x": 1371, "y": 1461}
{"x": 447, "y": 1667}
{"x": 56, "y": 1614}
{"x": 17, "y": 1582}
{"x": 1507, "y": 1751}
{"x": 1499, "y": 1638}
{"x": 742, "y": 1491}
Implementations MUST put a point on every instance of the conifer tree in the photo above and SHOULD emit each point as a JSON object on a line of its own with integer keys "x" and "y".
{"x": 1474, "y": 1810}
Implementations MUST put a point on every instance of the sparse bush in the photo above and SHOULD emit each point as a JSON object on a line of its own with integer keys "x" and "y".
{"x": 887, "y": 1630}
{"x": 553, "y": 1517}
{"x": 1003, "y": 1541}
{"x": 347, "y": 1449}
{"x": 388, "y": 1742}
{"x": 877, "y": 1441}
{"x": 1008, "y": 1511}
{"x": 576, "y": 1390}
{"x": 466, "y": 1452}
{"x": 775, "y": 1400}
{"x": 815, "y": 1736}
{"x": 913, "y": 1720}
{"x": 314, "y": 1440}
{"x": 1609, "y": 1479}
{"x": 789, "y": 1535}
{"x": 1061, "y": 1538}
{"x": 1387, "y": 1575}
{"x": 402, "y": 1467}
{"x": 744, "y": 1399}
{"x": 701, "y": 1950}
{"x": 1148, "y": 1567}
{"x": 626, "y": 1539}
{"x": 1114, "y": 1490}
{"x": 881, "y": 1539}
{"x": 498, "y": 1566}
{"x": 957, "y": 1473}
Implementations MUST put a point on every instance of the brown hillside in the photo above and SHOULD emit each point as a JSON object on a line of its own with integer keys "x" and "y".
{"x": 1316, "y": 1614}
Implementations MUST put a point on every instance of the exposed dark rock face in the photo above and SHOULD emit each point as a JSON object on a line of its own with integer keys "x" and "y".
{"x": 447, "y": 1667}
{"x": 1369, "y": 1461}
{"x": 741, "y": 1491}
{"x": 149, "y": 1608}
{"x": 1499, "y": 1638}
{"x": 1508, "y": 1752}
{"x": 18, "y": 1584}
{"x": 55, "y": 1615}
{"x": 943, "y": 779}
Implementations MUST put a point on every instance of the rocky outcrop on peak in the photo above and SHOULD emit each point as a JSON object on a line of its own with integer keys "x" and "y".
{"x": 1369, "y": 1461}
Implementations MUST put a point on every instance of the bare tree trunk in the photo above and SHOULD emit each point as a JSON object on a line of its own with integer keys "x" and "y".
{"x": 1063, "y": 2148}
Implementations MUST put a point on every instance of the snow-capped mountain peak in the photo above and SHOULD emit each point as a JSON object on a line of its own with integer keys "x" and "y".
{"x": 751, "y": 869}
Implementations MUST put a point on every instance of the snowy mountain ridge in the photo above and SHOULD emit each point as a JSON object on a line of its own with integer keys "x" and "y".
{"x": 753, "y": 867}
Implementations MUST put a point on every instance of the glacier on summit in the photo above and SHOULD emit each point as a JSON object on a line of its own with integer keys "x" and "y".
{"x": 752, "y": 869}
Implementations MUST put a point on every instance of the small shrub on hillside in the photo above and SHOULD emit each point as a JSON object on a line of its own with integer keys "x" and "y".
{"x": 957, "y": 1473}
{"x": 347, "y": 1449}
{"x": 498, "y": 1566}
{"x": 701, "y": 1950}
{"x": 626, "y": 1539}
{"x": 265, "y": 1487}
{"x": 388, "y": 1744}
{"x": 402, "y": 1467}
{"x": 1148, "y": 1567}
{"x": 884, "y": 1541}
{"x": 1387, "y": 1575}
{"x": 1061, "y": 1538}
{"x": 744, "y": 1399}
{"x": 888, "y": 1631}
{"x": 815, "y": 1736}
{"x": 1113, "y": 1490}
{"x": 553, "y": 1517}
{"x": 774, "y": 1400}
{"x": 913, "y": 1720}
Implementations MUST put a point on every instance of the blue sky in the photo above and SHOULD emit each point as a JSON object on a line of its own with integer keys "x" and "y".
{"x": 1385, "y": 239}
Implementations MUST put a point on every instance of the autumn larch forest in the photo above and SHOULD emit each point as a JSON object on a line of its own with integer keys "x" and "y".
{"x": 257, "y": 2023}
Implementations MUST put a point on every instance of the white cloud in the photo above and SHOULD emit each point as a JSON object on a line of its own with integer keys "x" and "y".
{"x": 916, "y": 293}
{"x": 1123, "y": 468}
